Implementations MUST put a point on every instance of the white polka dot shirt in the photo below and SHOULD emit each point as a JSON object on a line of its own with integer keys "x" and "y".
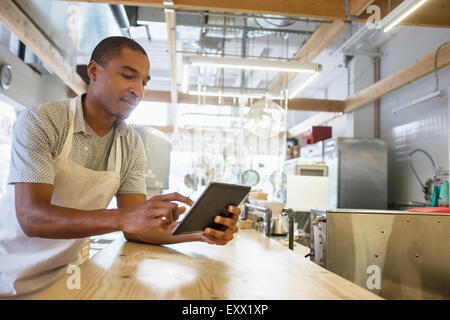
{"x": 39, "y": 135}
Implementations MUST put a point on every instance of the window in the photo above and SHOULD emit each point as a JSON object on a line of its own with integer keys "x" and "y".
{"x": 149, "y": 113}
{"x": 207, "y": 116}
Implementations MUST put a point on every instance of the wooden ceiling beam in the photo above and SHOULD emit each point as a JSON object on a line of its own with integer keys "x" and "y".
{"x": 325, "y": 9}
{"x": 436, "y": 13}
{"x": 410, "y": 73}
{"x": 14, "y": 19}
{"x": 301, "y": 104}
{"x": 319, "y": 40}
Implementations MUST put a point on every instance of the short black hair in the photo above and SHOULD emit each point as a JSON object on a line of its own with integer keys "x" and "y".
{"x": 112, "y": 47}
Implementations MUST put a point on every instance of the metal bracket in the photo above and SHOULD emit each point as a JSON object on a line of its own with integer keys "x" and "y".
{"x": 347, "y": 11}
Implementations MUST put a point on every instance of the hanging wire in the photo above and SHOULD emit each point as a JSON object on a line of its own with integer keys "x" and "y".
{"x": 435, "y": 63}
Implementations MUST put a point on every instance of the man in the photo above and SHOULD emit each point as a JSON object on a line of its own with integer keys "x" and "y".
{"x": 69, "y": 158}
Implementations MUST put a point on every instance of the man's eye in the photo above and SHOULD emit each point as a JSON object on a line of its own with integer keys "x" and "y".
{"x": 127, "y": 76}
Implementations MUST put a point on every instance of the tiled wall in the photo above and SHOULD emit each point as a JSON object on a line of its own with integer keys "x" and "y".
{"x": 422, "y": 126}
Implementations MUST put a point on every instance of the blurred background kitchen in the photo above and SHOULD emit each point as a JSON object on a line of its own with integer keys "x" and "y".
{"x": 313, "y": 111}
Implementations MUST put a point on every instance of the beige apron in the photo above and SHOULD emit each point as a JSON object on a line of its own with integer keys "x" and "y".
{"x": 29, "y": 265}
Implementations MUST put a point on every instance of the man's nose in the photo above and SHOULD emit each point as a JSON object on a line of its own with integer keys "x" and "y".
{"x": 137, "y": 90}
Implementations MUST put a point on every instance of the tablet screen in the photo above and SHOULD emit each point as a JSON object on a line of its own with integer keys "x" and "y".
{"x": 214, "y": 201}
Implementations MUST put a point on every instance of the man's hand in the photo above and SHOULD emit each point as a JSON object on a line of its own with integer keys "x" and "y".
{"x": 213, "y": 236}
{"x": 157, "y": 213}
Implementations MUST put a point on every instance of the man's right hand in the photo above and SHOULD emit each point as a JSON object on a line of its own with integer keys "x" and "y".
{"x": 156, "y": 213}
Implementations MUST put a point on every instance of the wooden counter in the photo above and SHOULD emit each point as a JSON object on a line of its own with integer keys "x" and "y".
{"x": 251, "y": 266}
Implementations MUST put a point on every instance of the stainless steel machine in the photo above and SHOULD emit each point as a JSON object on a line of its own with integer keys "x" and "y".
{"x": 395, "y": 254}
{"x": 358, "y": 173}
{"x": 157, "y": 147}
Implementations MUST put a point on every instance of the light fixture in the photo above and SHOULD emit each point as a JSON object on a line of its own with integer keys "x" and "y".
{"x": 400, "y": 12}
{"x": 244, "y": 64}
{"x": 253, "y": 64}
{"x": 365, "y": 33}
{"x": 437, "y": 93}
{"x": 303, "y": 85}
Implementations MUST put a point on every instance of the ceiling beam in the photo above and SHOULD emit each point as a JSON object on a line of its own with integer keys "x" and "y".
{"x": 301, "y": 104}
{"x": 410, "y": 73}
{"x": 435, "y": 13}
{"x": 172, "y": 49}
{"x": 319, "y": 40}
{"x": 14, "y": 19}
{"x": 326, "y": 9}
{"x": 320, "y": 105}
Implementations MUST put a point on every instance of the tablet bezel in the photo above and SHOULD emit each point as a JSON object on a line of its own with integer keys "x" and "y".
{"x": 191, "y": 214}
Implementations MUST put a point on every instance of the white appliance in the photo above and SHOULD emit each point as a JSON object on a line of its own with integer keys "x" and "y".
{"x": 308, "y": 188}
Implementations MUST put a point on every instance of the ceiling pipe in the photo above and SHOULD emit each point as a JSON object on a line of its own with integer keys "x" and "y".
{"x": 119, "y": 13}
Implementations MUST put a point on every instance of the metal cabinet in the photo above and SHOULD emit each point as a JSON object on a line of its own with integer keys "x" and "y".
{"x": 358, "y": 173}
{"x": 395, "y": 254}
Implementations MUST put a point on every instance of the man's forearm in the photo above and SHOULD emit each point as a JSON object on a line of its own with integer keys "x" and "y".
{"x": 55, "y": 222}
{"x": 160, "y": 237}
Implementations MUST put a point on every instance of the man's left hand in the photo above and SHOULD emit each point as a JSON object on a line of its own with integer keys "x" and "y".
{"x": 214, "y": 236}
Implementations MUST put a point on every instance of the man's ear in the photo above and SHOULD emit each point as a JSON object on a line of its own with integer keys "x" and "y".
{"x": 92, "y": 70}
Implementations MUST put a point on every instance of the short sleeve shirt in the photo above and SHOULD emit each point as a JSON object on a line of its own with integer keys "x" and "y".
{"x": 39, "y": 135}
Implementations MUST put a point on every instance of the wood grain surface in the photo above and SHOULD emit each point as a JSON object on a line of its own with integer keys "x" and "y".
{"x": 251, "y": 266}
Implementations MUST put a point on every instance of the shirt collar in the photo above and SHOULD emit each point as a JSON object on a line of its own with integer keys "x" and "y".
{"x": 79, "y": 124}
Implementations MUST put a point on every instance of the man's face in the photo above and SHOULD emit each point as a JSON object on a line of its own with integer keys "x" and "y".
{"x": 120, "y": 84}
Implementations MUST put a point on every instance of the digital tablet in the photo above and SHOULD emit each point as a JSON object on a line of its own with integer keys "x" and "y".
{"x": 214, "y": 201}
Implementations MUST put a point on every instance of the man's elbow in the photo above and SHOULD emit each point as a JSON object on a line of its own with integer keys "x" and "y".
{"x": 28, "y": 222}
{"x": 25, "y": 224}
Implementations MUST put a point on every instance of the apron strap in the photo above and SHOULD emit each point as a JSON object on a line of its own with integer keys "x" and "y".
{"x": 68, "y": 143}
{"x": 118, "y": 154}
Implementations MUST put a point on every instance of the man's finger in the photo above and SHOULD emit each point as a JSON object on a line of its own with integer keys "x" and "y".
{"x": 163, "y": 204}
{"x": 220, "y": 235}
{"x": 181, "y": 210}
{"x": 175, "y": 196}
{"x": 211, "y": 240}
{"x": 235, "y": 211}
{"x": 162, "y": 213}
{"x": 172, "y": 226}
{"x": 228, "y": 222}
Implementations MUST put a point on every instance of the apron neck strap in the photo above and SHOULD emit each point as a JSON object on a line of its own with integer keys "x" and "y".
{"x": 68, "y": 144}
{"x": 118, "y": 154}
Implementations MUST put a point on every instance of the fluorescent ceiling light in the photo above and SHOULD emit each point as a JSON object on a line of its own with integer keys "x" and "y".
{"x": 401, "y": 12}
{"x": 252, "y": 94}
{"x": 253, "y": 64}
{"x": 303, "y": 85}
{"x": 244, "y": 64}
{"x": 437, "y": 93}
{"x": 387, "y": 23}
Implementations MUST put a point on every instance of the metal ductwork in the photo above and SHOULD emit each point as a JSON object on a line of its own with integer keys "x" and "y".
{"x": 119, "y": 13}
